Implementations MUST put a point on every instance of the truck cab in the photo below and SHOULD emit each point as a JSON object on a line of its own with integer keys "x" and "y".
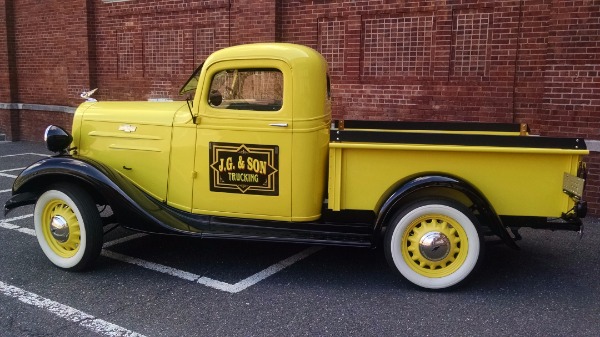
{"x": 251, "y": 143}
{"x": 262, "y": 118}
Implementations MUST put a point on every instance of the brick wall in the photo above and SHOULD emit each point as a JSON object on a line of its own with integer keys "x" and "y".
{"x": 5, "y": 75}
{"x": 416, "y": 60}
{"x": 147, "y": 49}
{"x": 571, "y": 99}
{"x": 33, "y": 123}
{"x": 8, "y": 92}
{"x": 534, "y": 61}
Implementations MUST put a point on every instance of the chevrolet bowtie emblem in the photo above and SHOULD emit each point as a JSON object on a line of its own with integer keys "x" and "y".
{"x": 127, "y": 128}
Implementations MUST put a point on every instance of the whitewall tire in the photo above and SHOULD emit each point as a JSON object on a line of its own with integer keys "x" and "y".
{"x": 434, "y": 243}
{"x": 68, "y": 227}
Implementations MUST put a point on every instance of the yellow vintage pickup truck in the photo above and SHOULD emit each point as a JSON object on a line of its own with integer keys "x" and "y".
{"x": 254, "y": 154}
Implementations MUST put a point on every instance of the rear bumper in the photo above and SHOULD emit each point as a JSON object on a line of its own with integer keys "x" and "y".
{"x": 564, "y": 224}
{"x": 580, "y": 209}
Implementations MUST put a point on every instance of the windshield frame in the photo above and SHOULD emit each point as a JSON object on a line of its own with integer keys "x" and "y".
{"x": 192, "y": 83}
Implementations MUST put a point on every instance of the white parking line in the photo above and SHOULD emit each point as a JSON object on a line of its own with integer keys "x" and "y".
{"x": 64, "y": 311}
{"x": 5, "y": 191}
{"x": 13, "y": 169}
{"x": 24, "y": 154}
{"x": 6, "y": 224}
{"x": 151, "y": 265}
{"x": 216, "y": 284}
{"x": 212, "y": 283}
{"x": 17, "y": 218}
{"x": 123, "y": 239}
{"x": 4, "y": 174}
{"x": 277, "y": 267}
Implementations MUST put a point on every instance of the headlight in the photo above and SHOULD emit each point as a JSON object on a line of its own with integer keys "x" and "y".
{"x": 57, "y": 139}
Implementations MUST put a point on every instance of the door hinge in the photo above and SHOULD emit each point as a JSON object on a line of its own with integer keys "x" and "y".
{"x": 194, "y": 174}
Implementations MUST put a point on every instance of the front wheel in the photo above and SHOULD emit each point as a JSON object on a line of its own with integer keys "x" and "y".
{"x": 434, "y": 243}
{"x": 68, "y": 227}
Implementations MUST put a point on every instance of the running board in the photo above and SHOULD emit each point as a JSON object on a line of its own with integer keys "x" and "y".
{"x": 356, "y": 235}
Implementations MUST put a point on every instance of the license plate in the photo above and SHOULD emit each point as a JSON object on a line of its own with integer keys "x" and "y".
{"x": 573, "y": 185}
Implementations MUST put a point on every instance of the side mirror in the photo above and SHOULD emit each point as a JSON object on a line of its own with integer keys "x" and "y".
{"x": 57, "y": 139}
{"x": 215, "y": 98}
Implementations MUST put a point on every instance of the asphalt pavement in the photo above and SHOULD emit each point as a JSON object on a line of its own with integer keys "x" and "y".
{"x": 173, "y": 286}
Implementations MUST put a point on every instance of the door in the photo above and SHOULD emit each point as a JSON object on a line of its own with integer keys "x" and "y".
{"x": 244, "y": 141}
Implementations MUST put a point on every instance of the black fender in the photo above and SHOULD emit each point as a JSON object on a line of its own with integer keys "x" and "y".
{"x": 401, "y": 194}
{"x": 133, "y": 208}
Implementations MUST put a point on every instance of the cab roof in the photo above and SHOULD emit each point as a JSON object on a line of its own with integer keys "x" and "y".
{"x": 292, "y": 54}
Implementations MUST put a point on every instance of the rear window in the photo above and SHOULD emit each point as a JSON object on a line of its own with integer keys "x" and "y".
{"x": 247, "y": 89}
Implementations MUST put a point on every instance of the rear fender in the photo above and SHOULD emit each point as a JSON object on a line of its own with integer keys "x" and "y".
{"x": 419, "y": 186}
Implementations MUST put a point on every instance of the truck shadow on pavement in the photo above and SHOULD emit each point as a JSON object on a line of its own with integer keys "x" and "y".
{"x": 541, "y": 262}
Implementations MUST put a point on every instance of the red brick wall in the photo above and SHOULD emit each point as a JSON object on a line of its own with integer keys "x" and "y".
{"x": 415, "y": 60}
{"x": 571, "y": 100}
{"x": 33, "y": 123}
{"x": 42, "y": 72}
{"x": 5, "y": 90}
{"x": 592, "y": 190}
{"x": 534, "y": 61}
{"x": 253, "y": 21}
{"x": 8, "y": 92}
{"x": 147, "y": 49}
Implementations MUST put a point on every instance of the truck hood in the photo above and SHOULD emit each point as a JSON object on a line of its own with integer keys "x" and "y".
{"x": 134, "y": 138}
{"x": 147, "y": 113}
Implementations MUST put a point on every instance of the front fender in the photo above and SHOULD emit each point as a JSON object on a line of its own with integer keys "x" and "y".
{"x": 133, "y": 208}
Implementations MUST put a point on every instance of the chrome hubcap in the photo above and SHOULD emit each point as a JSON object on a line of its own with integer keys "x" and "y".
{"x": 434, "y": 246}
{"x": 59, "y": 228}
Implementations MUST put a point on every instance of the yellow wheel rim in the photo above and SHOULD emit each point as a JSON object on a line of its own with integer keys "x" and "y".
{"x": 430, "y": 259}
{"x": 68, "y": 245}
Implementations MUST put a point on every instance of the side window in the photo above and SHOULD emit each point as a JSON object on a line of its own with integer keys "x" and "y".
{"x": 247, "y": 89}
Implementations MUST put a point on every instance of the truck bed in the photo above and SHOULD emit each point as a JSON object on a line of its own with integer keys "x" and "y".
{"x": 519, "y": 174}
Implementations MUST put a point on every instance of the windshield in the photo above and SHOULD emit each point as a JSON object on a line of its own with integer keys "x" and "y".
{"x": 192, "y": 83}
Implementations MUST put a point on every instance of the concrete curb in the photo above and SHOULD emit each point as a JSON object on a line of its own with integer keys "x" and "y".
{"x": 37, "y": 107}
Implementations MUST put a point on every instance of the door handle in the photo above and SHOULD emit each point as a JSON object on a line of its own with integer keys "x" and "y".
{"x": 279, "y": 125}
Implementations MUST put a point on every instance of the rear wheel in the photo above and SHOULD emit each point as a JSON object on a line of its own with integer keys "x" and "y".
{"x": 68, "y": 227}
{"x": 434, "y": 243}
